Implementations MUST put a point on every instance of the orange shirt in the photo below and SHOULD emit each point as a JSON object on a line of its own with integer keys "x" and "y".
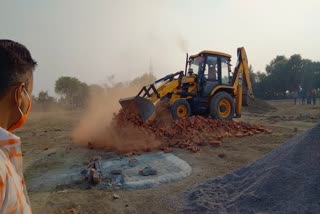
{"x": 13, "y": 194}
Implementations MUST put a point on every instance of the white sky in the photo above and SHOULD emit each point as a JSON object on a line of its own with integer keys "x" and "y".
{"x": 92, "y": 40}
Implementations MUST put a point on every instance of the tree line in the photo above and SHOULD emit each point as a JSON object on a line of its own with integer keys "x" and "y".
{"x": 286, "y": 76}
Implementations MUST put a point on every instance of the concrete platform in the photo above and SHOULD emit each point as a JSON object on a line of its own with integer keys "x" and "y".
{"x": 169, "y": 169}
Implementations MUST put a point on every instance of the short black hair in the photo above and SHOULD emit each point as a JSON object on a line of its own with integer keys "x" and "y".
{"x": 15, "y": 62}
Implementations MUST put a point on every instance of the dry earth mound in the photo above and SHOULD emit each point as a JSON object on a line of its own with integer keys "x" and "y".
{"x": 259, "y": 107}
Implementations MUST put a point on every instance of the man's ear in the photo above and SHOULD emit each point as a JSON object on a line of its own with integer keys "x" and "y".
{"x": 18, "y": 93}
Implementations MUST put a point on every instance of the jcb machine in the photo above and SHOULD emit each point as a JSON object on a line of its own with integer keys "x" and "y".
{"x": 207, "y": 87}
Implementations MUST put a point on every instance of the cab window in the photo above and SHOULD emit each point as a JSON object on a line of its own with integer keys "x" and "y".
{"x": 225, "y": 68}
{"x": 211, "y": 68}
{"x": 196, "y": 64}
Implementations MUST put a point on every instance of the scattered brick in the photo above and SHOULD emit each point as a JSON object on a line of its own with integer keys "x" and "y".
{"x": 187, "y": 133}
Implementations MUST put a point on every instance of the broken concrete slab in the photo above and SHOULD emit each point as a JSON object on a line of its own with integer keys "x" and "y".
{"x": 169, "y": 169}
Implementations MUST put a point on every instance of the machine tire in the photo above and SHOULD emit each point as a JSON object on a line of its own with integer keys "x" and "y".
{"x": 180, "y": 109}
{"x": 222, "y": 106}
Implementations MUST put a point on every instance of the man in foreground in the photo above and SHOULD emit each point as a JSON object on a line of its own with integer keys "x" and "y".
{"x": 16, "y": 82}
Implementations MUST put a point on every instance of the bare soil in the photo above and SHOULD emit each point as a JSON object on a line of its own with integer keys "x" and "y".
{"x": 47, "y": 144}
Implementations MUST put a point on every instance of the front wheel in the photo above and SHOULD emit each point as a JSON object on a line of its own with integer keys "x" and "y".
{"x": 180, "y": 109}
{"x": 222, "y": 106}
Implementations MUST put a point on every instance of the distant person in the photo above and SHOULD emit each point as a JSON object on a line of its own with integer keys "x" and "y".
{"x": 309, "y": 96}
{"x": 300, "y": 93}
{"x": 295, "y": 97}
{"x": 314, "y": 96}
{"x": 300, "y": 89}
{"x": 303, "y": 96}
{"x": 16, "y": 82}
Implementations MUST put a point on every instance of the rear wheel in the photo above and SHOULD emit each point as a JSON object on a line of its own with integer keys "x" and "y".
{"x": 222, "y": 106}
{"x": 180, "y": 109}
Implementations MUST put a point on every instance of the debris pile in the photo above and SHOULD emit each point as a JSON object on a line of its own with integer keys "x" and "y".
{"x": 259, "y": 107}
{"x": 188, "y": 133}
{"x": 284, "y": 181}
{"x": 93, "y": 171}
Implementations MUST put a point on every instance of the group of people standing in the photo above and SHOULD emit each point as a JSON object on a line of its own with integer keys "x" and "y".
{"x": 306, "y": 96}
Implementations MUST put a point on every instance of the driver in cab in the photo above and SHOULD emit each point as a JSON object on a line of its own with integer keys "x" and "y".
{"x": 212, "y": 73}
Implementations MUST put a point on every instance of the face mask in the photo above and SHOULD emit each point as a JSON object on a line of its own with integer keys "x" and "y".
{"x": 23, "y": 117}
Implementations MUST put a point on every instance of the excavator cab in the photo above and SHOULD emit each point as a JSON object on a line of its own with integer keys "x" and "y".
{"x": 212, "y": 69}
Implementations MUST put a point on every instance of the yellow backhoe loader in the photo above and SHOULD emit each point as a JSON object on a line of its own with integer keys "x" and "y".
{"x": 207, "y": 87}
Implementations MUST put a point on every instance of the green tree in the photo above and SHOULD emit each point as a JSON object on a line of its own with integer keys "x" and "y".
{"x": 284, "y": 74}
{"x": 67, "y": 86}
{"x": 253, "y": 76}
{"x": 72, "y": 91}
{"x": 277, "y": 72}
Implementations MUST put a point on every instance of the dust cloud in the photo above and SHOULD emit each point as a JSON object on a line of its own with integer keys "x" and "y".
{"x": 98, "y": 130}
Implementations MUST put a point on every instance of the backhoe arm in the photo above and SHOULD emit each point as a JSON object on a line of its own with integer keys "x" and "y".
{"x": 246, "y": 73}
{"x": 242, "y": 83}
{"x": 143, "y": 102}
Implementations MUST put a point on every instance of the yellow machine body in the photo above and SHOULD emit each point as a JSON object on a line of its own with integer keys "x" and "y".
{"x": 191, "y": 93}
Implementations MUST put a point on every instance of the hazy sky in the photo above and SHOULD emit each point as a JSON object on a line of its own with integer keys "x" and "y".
{"x": 92, "y": 40}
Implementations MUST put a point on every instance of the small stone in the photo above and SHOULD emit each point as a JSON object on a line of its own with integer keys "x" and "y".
{"x": 116, "y": 172}
{"x": 221, "y": 155}
{"x": 167, "y": 150}
{"x": 133, "y": 162}
{"x": 129, "y": 154}
{"x": 96, "y": 178}
{"x": 52, "y": 153}
{"x": 242, "y": 135}
{"x": 215, "y": 143}
{"x": 72, "y": 211}
{"x": 268, "y": 131}
{"x": 148, "y": 171}
{"x": 116, "y": 196}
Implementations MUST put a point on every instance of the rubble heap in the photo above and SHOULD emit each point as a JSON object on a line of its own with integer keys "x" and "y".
{"x": 93, "y": 172}
{"x": 187, "y": 133}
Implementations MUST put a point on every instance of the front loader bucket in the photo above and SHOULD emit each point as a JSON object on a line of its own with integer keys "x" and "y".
{"x": 138, "y": 105}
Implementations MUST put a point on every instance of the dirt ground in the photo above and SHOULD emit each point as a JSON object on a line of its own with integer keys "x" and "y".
{"x": 47, "y": 145}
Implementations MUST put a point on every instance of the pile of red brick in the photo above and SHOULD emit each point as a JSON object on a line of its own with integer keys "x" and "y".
{"x": 189, "y": 133}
